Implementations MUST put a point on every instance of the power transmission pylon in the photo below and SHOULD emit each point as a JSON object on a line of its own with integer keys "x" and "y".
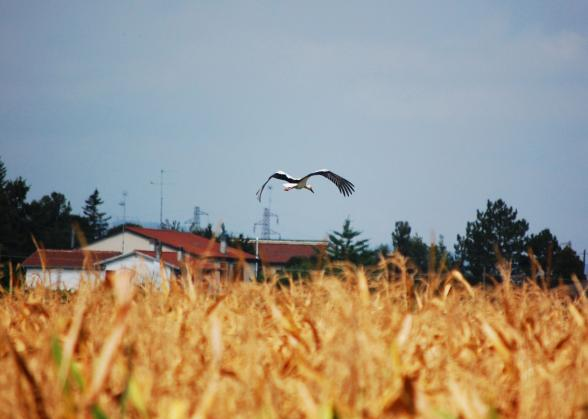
{"x": 265, "y": 223}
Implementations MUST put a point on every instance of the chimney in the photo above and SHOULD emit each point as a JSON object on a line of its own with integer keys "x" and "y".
{"x": 223, "y": 245}
{"x": 180, "y": 254}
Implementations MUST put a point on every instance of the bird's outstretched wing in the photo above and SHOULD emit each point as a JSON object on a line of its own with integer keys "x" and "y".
{"x": 345, "y": 187}
{"x": 278, "y": 175}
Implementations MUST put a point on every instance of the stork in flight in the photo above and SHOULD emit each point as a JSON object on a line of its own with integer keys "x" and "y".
{"x": 345, "y": 187}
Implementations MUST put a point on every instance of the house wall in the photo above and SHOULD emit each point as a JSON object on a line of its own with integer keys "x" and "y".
{"x": 249, "y": 274}
{"x": 248, "y": 271}
{"x": 145, "y": 269}
{"x": 136, "y": 242}
{"x": 228, "y": 271}
{"x": 58, "y": 277}
{"x": 132, "y": 242}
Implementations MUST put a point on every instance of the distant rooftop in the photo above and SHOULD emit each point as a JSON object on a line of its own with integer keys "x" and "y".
{"x": 282, "y": 251}
{"x": 66, "y": 259}
{"x": 191, "y": 243}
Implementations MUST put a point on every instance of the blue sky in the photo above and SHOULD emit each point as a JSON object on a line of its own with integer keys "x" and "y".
{"x": 429, "y": 108}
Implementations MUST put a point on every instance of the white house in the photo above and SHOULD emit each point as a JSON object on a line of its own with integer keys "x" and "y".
{"x": 64, "y": 268}
{"x": 146, "y": 265}
{"x": 145, "y": 251}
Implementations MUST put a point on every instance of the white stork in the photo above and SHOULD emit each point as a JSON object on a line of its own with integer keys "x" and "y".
{"x": 345, "y": 187}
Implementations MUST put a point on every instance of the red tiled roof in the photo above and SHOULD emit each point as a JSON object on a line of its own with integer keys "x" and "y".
{"x": 281, "y": 252}
{"x": 69, "y": 259}
{"x": 191, "y": 243}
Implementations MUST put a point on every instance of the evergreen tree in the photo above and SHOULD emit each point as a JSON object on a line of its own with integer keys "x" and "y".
{"x": 422, "y": 255}
{"x": 567, "y": 263}
{"x": 50, "y": 221}
{"x": 344, "y": 246}
{"x": 440, "y": 255}
{"x": 497, "y": 229}
{"x": 97, "y": 221}
{"x": 556, "y": 262}
{"x": 544, "y": 246}
{"x": 15, "y": 239}
{"x": 410, "y": 246}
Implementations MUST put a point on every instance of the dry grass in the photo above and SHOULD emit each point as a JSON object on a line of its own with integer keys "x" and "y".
{"x": 324, "y": 348}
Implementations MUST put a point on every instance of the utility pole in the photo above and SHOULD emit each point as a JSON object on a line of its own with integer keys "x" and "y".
{"x": 123, "y": 204}
{"x": 160, "y": 196}
{"x": 256, "y": 258}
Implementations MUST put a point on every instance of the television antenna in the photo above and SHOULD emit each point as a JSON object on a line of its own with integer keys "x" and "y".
{"x": 123, "y": 204}
{"x": 160, "y": 183}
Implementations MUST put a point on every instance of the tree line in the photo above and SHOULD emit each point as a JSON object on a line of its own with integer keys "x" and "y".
{"x": 496, "y": 233}
{"x": 53, "y": 224}
{"x": 50, "y": 220}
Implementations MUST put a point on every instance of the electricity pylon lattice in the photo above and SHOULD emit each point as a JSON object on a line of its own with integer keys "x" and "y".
{"x": 265, "y": 223}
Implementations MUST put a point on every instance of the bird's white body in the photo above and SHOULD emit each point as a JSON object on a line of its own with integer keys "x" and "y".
{"x": 300, "y": 185}
{"x": 344, "y": 186}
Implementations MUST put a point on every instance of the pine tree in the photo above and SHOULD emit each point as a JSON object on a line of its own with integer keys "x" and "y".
{"x": 344, "y": 246}
{"x": 97, "y": 221}
{"x": 422, "y": 255}
{"x": 495, "y": 232}
{"x": 15, "y": 234}
{"x": 411, "y": 246}
{"x": 557, "y": 262}
{"x": 50, "y": 220}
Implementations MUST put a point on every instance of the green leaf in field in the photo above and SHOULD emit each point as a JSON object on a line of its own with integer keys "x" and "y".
{"x": 56, "y": 350}
{"x": 97, "y": 412}
{"x": 57, "y": 353}
{"x": 136, "y": 397}
{"x": 444, "y": 415}
{"x": 77, "y": 375}
{"x": 133, "y": 394}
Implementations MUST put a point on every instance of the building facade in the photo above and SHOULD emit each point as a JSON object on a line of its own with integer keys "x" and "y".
{"x": 150, "y": 253}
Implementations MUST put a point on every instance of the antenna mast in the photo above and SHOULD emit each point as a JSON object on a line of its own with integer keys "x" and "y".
{"x": 123, "y": 204}
{"x": 160, "y": 197}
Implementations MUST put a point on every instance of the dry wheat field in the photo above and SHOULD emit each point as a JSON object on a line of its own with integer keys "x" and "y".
{"x": 352, "y": 345}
